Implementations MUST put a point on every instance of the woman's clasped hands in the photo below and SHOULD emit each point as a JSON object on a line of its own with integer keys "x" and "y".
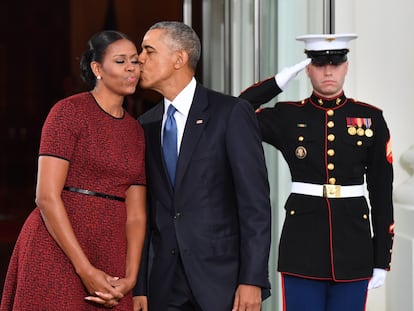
{"x": 105, "y": 289}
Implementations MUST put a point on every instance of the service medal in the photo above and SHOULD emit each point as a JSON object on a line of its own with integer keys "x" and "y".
{"x": 369, "y": 133}
{"x": 360, "y": 131}
{"x": 352, "y": 130}
{"x": 301, "y": 152}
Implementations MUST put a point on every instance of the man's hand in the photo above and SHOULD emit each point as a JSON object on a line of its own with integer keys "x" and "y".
{"x": 140, "y": 303}
{"x": 247, "y": 298}
{"x": 378, "y": 278}
{"x": 287, "y": 74}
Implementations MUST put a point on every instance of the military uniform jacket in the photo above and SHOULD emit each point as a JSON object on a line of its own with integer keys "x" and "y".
{"x": 338, "y": 141}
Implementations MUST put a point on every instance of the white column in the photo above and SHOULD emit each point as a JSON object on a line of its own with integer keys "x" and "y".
{"x": 400, "y": 282}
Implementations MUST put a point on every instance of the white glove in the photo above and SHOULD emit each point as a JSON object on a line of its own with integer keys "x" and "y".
{"x": 283, "y": 77}
{"x": 377, "y": 279}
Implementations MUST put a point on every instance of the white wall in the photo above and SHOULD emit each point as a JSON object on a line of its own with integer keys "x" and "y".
{"x": 382, "y": 63}
{"x": 381, "y": 73}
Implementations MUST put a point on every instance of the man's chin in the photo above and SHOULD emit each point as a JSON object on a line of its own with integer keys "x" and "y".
{"x": 330, "y": 91}
{"x": 143, "y": 84}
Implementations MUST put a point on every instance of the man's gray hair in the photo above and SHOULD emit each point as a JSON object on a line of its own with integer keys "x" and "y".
{"x": 182, "y": 37}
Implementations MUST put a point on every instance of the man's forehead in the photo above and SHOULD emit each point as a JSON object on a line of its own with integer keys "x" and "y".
{"x": 151, "y": 38}
{"x": 153, "y": 33}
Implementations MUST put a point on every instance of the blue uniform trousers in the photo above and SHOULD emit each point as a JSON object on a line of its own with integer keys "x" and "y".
{"x": 301, "y": 294}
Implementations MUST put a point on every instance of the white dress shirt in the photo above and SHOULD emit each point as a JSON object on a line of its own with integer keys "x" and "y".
{"x": 182, "y": 102}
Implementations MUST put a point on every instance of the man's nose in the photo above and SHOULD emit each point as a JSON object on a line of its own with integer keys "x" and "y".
{"x": 328, "y": 69}
{"x": 141, "y": 58}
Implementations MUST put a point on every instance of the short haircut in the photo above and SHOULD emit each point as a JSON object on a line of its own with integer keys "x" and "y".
{"x": 182, "y": 37}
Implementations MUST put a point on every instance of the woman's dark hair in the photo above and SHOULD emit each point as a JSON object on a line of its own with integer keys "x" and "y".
{"x": 97, "y": 46}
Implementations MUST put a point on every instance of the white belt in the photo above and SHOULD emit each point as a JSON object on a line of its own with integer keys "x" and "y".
{"x": 328, "y": 191}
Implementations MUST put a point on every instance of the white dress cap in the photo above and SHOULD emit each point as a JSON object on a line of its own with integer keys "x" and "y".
{"x": 325, "y": 42}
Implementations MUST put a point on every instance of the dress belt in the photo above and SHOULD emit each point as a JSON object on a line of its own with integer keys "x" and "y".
{"x": 96, "y": 194}
{"x": 327, "y": 190}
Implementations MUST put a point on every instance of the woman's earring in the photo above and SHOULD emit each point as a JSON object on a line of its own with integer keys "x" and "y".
{"x": 98, "y": 77}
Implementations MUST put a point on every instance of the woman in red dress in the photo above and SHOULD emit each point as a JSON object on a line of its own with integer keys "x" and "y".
{"x": 80, "y": 248}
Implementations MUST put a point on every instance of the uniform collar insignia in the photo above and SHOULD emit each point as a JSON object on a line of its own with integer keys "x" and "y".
{"x": 328, "y": 102}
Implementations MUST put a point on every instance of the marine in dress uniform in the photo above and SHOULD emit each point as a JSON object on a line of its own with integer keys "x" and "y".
{"x": 333, "y": 247}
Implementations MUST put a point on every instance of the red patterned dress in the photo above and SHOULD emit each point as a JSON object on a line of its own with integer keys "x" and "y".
{"x": 106, "y": 155}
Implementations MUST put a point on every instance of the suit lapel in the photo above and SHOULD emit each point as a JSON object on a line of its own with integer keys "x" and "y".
{"x": 196, "y": 121}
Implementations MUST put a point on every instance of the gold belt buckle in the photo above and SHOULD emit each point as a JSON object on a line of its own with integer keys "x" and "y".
{"x": 331, "y": 191}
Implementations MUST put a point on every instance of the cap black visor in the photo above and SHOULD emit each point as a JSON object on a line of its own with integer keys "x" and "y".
{"x": 328, "y": 57}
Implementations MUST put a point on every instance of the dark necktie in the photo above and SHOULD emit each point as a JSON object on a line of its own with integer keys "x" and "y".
{"x": 169, "y": 145}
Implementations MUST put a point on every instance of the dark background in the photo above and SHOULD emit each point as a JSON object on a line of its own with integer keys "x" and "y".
{"x": 40, "y": 46}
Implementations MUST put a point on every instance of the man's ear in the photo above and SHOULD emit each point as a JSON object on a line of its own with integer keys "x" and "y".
{"x": 347, "y": 66}
{"x": 181, "y": 59}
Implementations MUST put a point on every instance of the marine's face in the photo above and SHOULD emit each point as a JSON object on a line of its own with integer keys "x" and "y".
{"x": 327, "y": 80}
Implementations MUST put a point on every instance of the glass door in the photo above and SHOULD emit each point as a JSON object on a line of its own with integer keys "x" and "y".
{"x": 248, "y": 40}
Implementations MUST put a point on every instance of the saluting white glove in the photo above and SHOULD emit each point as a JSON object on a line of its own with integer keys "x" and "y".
{"x": 283, "y": 77}
{"x": 377, "y": 279}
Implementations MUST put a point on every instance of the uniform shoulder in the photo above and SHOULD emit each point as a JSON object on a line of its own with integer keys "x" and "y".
{"x": 364, "y": 105}
{"x": 298, "y": 103}
{"x": 282, "y": 106}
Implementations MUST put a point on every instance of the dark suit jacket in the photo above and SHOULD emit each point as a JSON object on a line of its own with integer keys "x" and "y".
{"x": 218, "y": 216}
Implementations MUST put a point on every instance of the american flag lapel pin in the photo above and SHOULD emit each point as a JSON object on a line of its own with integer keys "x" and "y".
{"x": 199, "y": 121}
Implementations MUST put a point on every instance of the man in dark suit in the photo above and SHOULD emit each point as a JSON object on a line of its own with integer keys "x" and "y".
{"x": 209, "y": 212}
